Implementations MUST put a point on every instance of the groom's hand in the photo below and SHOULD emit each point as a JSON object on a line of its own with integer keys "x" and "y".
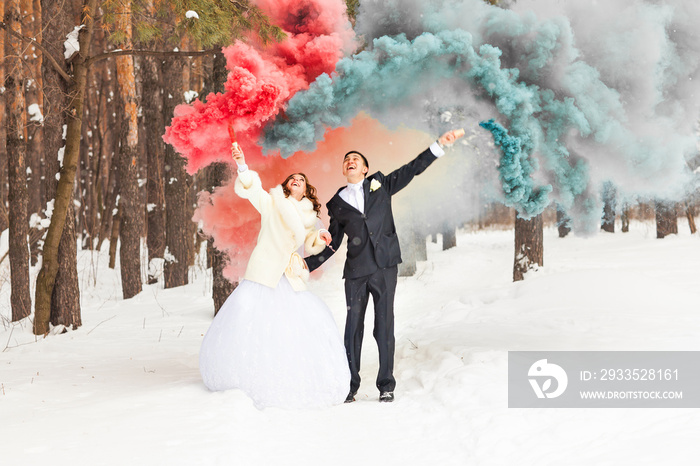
{"x": 450, "y": 137}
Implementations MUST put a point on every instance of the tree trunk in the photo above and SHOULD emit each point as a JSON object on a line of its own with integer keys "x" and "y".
{"x": 608, "y": 221}
{"x": 4, "y": 221}
{"x": 625, "y": 218}
{"x": 3, "y": 127}
{"x": 131, "y": 214}
{"x": 666, "y": 219}
{"x": 108, "y": 150}
{"x": 529, "y": 246}
{"x": 420, "y": 245}
{"x": 64, "y": 191}
{"x": 15, "y": 118}
{"x": 407, "y": 241}
{"x": 114, "y": 238}
{"x": 218, "y": 174}
{"x": 154, "y": 125}
{"x": 449, "y": 237}
{"x": 31, "y": 10}
{"x": 690, "y": 214}
{"x": 563, "y": 223}
{"x": 65, "y": 300}
{"x": 176, "y": 252}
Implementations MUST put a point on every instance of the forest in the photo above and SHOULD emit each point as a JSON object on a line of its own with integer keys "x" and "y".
{"x": 89, "y": 89}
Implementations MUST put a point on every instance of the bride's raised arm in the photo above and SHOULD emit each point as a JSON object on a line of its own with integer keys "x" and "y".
{"x": 248, "y": 184}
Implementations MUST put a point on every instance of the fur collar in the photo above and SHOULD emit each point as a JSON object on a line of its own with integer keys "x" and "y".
{"x": 299, "y": 216}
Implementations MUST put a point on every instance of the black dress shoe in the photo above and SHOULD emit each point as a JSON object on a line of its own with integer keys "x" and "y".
{"x": 386, "y": 397}
{"x": 351, "y": 397}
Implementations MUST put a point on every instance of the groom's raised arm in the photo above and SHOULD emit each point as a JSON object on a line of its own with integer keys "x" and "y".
{"x": 399, "y": 178}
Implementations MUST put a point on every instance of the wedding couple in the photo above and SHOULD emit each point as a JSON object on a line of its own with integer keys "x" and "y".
{"x": 277, "y": 341}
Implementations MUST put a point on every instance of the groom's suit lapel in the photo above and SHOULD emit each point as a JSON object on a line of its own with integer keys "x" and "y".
{"x": 368, "y": 198}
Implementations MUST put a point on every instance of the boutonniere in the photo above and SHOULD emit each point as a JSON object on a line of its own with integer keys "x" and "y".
{"x": 374, "y": 185}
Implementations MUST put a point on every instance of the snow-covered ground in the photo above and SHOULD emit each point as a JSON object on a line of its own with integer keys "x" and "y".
{"x": 125, "y": 387}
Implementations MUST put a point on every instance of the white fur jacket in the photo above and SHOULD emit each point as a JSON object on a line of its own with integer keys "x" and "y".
{"x": 285, "y": 225}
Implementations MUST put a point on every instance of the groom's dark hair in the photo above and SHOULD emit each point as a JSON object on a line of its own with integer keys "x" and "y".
{"x": 364, "y": 159}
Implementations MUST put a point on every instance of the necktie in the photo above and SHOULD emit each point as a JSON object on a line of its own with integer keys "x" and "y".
{"x": 359, "y": 198}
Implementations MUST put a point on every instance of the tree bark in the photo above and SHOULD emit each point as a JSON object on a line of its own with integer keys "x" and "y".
{"x": 690, "y": 215}
{"x": 666, "y": 219}
{"x": 218, "y": 174}
{"x": 608, "y": 220}
{"x": 3, "y": 127}
{"x": 529, "y": 246}
{"x": 563, "y": 223}
{"x": 64, "y": 191}
{"x": 65, "y": 300}
{"x": 176, "y": 255}
{"x": 15, "y": 119}
{"x": 625, "y": 218}
{"x": 31, "y": 10}
{"x": 4, "y": 221}
{"x": 114, "y": 238}
{"x": 108, "y": 149}
{"x": 131, "y": 215}
{"x": 64, "y": 307}
{"x": 449, "y": 237}
{"x": 155, "y": 148}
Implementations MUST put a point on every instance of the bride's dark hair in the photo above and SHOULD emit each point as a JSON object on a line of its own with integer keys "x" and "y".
{"x": 310, "y": 192}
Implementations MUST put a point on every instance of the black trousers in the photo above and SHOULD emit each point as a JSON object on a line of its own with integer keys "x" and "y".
{"x": 382, "y": 286}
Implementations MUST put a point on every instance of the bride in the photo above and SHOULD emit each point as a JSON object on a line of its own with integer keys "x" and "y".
{"x": 272, "y": 338}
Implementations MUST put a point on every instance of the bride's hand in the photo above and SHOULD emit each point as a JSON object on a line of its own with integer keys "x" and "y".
{"x": 237, "y": 154}
{"x": 326, "y": 237}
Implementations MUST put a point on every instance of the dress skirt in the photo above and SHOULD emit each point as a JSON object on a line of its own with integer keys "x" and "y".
{"x": 281, "y": 347}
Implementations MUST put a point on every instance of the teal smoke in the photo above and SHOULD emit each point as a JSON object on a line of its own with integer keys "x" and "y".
{"x": 395, "y": 70}
{"x": 575, "y": 119}
{"x": 514, "y": 172}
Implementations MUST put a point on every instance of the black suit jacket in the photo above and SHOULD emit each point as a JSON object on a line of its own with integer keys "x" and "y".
{"x": 372, "y": 240}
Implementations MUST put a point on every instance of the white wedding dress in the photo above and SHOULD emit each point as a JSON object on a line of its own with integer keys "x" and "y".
{"x": 280, "y": 346}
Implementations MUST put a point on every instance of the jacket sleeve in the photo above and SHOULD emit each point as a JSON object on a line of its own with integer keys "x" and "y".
{"x": 399, "y": 178}
{"x": 336, "y": 230}
{"x": 313, "y": 243}
{"x": 248, "y": 186}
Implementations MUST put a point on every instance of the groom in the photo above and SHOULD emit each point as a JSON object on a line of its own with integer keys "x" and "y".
{"x": 362, "y": 211}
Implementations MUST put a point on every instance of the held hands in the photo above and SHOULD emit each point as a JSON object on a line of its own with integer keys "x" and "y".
{"x": 450, "y": 137}
{"x": 237, "y": 154}
{"x": 326, "y": 237}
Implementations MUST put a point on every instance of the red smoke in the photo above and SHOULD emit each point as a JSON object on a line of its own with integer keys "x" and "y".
{"x": 261, "y": 80}
{"x": 234, "y": 224}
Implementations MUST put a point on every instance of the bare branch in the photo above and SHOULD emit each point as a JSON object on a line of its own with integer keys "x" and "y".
{"x": 150, "y": 53}
{"x": 38, "y": 45}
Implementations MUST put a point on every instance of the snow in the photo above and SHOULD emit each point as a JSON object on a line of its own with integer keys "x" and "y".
{"x": 125, "y": 387}
{"x": 190, "y": 96}
{"x": 191, "y": 14}
{"x": 72, "y": 44}
{"x": 35, "y": 113}
{"x": 168, "y": 257}
{"x": 61, "y": 155}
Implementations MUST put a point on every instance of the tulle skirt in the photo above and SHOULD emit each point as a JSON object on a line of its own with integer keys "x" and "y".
{"x": 280, "y": 346}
